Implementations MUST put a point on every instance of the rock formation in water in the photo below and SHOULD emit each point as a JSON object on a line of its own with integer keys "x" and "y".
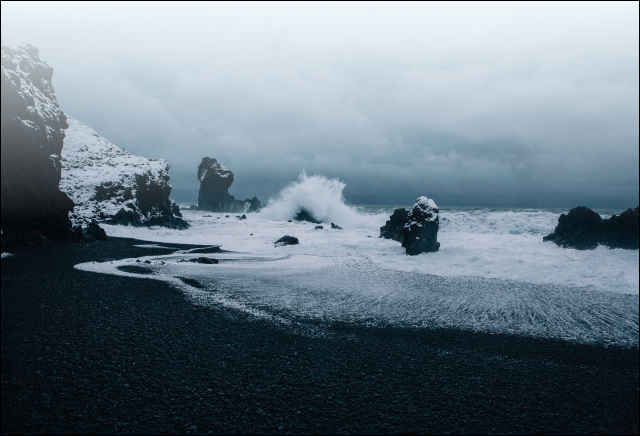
{"x": 584, "y": 229}
{"x": 287, "y": 240}
{"x": 421, "y": 228}
{"x": 34, "y": 209}
{"x": 111, "y": 185}
{"x": 417, "y": 229}
{"x": 214, "y": 196}
{"x": 393, "y": 227}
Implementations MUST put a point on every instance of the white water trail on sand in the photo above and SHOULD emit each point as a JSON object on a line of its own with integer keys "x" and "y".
{"x": 323, "y": 199}
{"x": 291, "y": 290}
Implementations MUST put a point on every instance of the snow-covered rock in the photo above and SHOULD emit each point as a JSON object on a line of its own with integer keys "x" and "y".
{"x": 421, "y": 227}
{"x": 111, "y": 185}
{"x": 34, "y": 209}
{"x": 215, "y": 180}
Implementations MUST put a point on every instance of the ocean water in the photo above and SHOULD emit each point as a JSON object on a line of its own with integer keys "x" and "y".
{"x": 493, "y": 272}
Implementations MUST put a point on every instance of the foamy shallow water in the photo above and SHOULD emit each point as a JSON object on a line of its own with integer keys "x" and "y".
{"x": 493, "y": 272}
{"x": 502, "y": 245}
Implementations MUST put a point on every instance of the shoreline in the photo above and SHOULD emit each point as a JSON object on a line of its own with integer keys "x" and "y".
{"x": 92, "y": 353}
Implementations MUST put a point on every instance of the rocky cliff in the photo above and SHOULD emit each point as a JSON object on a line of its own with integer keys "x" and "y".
{"x": 111, "y": 185}
{"x": 214, "y": 196}
{"x": 34, "y": 209}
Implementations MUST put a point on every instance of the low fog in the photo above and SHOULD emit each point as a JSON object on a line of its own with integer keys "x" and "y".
{"x": 529, "y": 105}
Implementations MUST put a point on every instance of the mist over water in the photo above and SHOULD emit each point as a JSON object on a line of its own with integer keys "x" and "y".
{"x": 323, "y": 199}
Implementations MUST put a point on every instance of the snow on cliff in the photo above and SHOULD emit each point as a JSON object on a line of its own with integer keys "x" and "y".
{"x": 34, "y": 209}
{"x": 109, "y": 184}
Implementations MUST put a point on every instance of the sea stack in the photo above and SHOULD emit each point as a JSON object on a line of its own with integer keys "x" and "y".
{"x": 214, "y": 196}
{"x": 34, "y": 209}
{"x": 416, "y": 229}
{"x": 421, "y": 228}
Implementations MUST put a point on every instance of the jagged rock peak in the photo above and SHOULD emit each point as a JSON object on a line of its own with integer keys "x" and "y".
{"x": 211, "y": 165}
{"x": 215, "y": 180}
{"x": 113, "y": 186}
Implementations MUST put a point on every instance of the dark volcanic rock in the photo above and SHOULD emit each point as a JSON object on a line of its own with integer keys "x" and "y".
{"x": 214, "y": 196}
{"x": 319, "y": 228}
{"x": 91, "y": 232}
{"x": 421, "y": 228}
{"x": 286, "y": 240}
{"x": 621, "y": 231}
{"x": 578, "y": 229}
{"x": 305, "y": 215}
{"x": 393, "y": 228}
{"x": 584, "y": 229}
{"x": 34, "y": 209}
{"x": 336, "y": 227}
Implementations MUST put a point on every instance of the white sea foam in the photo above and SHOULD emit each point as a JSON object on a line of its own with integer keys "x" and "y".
{"x": 323, "y": 199}
{"x": 493, "y": 271}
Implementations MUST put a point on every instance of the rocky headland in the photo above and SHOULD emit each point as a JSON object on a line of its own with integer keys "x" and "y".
{"x": 111, "y": 185}
{"x": 215, "y": 180}
{"x": 59, "y": 177}
{"x": 34, "y": 209}
{"x": 584, "y": 229}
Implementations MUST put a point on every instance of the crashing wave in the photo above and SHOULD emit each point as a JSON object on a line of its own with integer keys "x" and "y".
{"x": 317, "y": 199}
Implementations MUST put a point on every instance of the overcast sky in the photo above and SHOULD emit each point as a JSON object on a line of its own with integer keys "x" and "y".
{"x": 470, "y": 104}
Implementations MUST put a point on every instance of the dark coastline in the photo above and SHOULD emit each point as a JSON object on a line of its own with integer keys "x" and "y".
{"x": 90, "y": 353}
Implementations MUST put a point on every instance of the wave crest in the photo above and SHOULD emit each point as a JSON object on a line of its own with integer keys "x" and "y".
{"x": 321, "y": 198}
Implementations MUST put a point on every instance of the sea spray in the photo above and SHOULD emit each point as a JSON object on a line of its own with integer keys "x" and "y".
{"x": 321, "y": 198}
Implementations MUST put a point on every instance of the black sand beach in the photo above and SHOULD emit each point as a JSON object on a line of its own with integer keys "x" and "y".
{"x": 90, "y": 353}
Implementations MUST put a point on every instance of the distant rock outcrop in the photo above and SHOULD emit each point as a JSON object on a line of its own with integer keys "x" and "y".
{"x": 421, "y": 228}
{"x": 111, "y": 185}
{"x": 417, "y": 229}
{"x": 214, "y": 196}
{"x": 34, "y": 209}
{"x": 584, "y": 229}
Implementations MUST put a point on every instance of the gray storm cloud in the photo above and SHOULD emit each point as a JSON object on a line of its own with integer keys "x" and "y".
{"x": 476, "y": 104}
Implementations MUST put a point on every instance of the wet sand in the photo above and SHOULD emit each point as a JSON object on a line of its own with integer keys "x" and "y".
{"x": 90, "y": 353}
